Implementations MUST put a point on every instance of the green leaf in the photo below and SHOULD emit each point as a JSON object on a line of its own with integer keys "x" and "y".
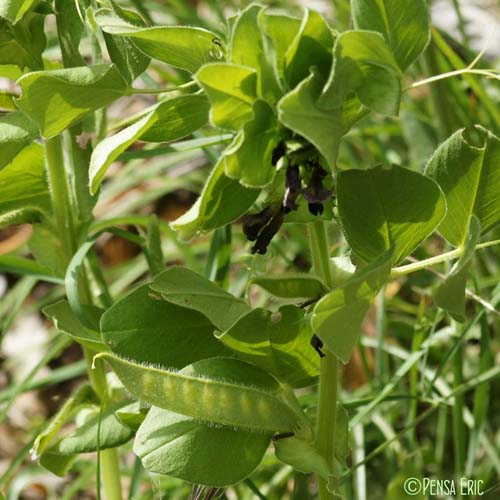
{"x": 299, "y": 111}
{"x": 24, "y": 192}
{"x": 184, "y": 47}
{"x": 185, "y": 288}
{"x": 450, "y": 295}
{"x": 84, "y": 395}
{"x": 133, "y": 414}
{"x": 66, "y": 322}
{"x": 291, "y": 286}
{"x": 112, "y": 433}
{"x": 16, "y": 132}
{"x": 145, "y": 328}
{"x": 23, "y": 43}
{"x": 302, "y": 456}
{"x": 312, "y": 45}
{"x": 13, "y": 10}
{"x": 47, "y": 249}
{"x": 207, "y": 214}
{"x": 466, "y": 168}
{"x": 231, "y": 90}
{"x": 337, "y": 317}
{"x": 70, "y": 31}
{"x": 220, "y": 391}
{"x": 382, "y": 208}
{"x": 177, "y": 118}
{"x": 56, "y": 99}
{"x": 281, "y": 31}
{"x": 364, "y": 64}
{"x": 7, "y": 101}
{"x": 249, "y": 157}
{"x": 279, "y": 343}
{"x": 404, "y": 24}
{"x": 169, "y": 120}
{"x": 10, "y": 263}
{"x": 152, "y": 248}
{"x": 247, "y": 48}
{"x": 123, "y": 52}
{"x": 179, "y": 446}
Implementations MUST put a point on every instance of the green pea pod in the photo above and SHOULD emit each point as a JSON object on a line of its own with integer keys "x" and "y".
{"x": 220, "y": 391}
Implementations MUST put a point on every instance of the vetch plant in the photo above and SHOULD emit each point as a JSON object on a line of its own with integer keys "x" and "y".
{"x": 207, "y": 382}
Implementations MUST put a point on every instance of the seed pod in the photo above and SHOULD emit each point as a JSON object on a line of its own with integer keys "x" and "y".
{"x": 220, "y": 391}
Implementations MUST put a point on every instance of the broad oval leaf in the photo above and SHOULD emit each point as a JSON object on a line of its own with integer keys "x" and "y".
{"x": 24, "y": 191}
{"x": 232, "y": 90}
{"x": 450, "y": 295}
{"x": 337, "y": 317}
{"x": 130, "y": 61}
{"x": 466, "y": 168}
{"x": 302, "y": 456}
{"x": 58, "y": 457}
{"x": 221, "y": 391}
{"x": 222, "y": 201}
{"x": 292, "y": 286}
{"x": 249, "y": 157}
{"x": 248, "y": 48}
{"x": 184, "y": 47}
{"x": 68, "y": 323}
{"x": 179, "y": 446}
{"x": 70, "y": 31}
{"x": 404, "y": 24}
{"x": 13, "y": 10}
{"x": 185, "y": 288}
{"x": 168, "y": 121}
{"x": 364, "y": 64}
{"x": 57, "y": 99}
{"x": 279, "y": 343}
{"x": 23, "y": 42}
{"x": 313, "y": 42}
{"x": 281, "y": 31}
{"x": 299, "y": 111}
{"x": 382, "y": 208}
{"x": 16, "y": 132}
{"x": 146, "y": 328}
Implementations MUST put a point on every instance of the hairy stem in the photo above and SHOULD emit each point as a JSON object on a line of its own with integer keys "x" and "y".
{"x": 63, "y": 209}
{"x": 60, "y": 194}
{"x": 328, "y": 382}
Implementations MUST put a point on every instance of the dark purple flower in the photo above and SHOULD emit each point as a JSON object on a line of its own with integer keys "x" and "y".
{"x": 268, "y": 232}
{"x": 278, "y": 152}
{"x": 292, "y": 188}
{"x": 254, "y": 223}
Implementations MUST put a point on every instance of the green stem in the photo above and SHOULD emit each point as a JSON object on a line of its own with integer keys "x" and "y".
{"x": 438, "y": 259}
{"x": 111, "y": 474}
{"x": 60, "y": 193}
{"x": 62, "y": 208}
{"x": 459, "y": 437}
{"x": 328, "y": 381}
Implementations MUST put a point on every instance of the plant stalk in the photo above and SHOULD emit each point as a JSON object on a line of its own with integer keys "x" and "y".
{"x": 60, "y": 194}
{"x": 63, "y": 210}
{"x": 328, "y": 381}
{"x": 438, "y": 259}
